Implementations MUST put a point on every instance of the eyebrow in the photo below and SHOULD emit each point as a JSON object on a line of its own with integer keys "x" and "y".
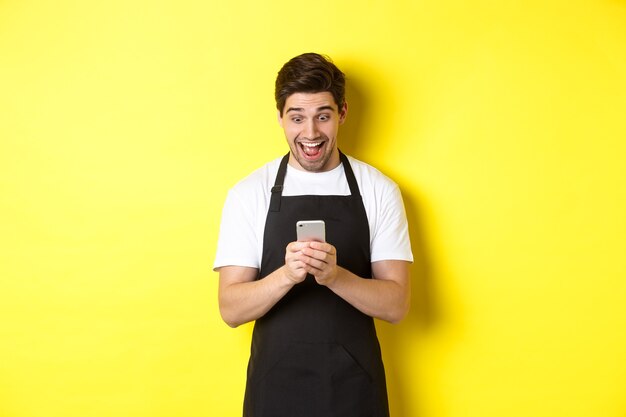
{"x": 319, "y": 109}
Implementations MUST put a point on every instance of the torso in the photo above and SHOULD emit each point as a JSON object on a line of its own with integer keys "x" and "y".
{"x": 313, "y": 354}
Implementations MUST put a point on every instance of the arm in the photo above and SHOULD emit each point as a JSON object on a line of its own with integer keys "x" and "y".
{"x": 386, "y": 296}
{"x": 243, "y": 298}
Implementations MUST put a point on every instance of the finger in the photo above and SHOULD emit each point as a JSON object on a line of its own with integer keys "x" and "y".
{"x": 319, "y": 255}
{"x": 297, "y": 246}
{"x": 317, "y": 264}
{"x": 324, "y": 247}
{"x": 296, "y": 264}
{"x": 310, "y": 269}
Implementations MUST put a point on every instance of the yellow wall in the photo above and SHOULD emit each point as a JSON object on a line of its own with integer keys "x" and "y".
{"x": 123, "y": 123}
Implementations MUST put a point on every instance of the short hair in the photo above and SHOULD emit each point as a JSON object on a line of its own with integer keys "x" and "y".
{"x": 309, "y": 73}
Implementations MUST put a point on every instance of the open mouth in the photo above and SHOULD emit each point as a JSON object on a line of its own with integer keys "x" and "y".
{"x": 312, "y": 150}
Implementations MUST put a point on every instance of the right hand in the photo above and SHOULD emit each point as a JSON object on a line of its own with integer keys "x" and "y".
{"x": 294, "y": 266}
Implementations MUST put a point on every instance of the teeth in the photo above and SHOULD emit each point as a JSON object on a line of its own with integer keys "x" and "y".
{"x": 311, "y": 145}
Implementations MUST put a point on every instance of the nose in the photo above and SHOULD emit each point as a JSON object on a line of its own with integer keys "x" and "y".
{"x": 310, "y": 130}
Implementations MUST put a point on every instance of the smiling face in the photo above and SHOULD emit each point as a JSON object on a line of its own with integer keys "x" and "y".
{"x": 311, "y": 122}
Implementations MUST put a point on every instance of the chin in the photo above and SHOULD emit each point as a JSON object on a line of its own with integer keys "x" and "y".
{"x": 318, "y": 165}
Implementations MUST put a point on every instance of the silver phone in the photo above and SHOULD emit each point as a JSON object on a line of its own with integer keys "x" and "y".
{"x": 307, "y": 230}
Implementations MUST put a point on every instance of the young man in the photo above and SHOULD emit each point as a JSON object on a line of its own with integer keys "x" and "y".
{"x": 314, "y": 348}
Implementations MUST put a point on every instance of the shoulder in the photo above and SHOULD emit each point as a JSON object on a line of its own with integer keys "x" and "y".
{"x": 370, "y": 177}
{"x": 259, "y": 181}
{"x": 381, "y": 195}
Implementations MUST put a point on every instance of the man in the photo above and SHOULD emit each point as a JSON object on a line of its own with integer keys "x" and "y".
{"x": 314, "y": 348}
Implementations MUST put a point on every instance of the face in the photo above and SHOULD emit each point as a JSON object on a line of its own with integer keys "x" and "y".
{"x": 311, "y": 122}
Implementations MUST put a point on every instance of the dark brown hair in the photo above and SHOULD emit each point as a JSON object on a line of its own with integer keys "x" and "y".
{"x": 309, "y": 73}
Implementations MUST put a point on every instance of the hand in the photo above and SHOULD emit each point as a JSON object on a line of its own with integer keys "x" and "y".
{"x": 294, "y": 262}
{"x": 320, "y": 260}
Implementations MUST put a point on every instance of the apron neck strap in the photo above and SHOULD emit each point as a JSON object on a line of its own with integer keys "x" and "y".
{"x": 277, "y": 189}
{"x": 347, "y": 169}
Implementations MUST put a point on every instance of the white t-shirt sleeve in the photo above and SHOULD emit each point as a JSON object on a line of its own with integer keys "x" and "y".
{"x": 390, "y": 239}
{"x": 237, "y": 244}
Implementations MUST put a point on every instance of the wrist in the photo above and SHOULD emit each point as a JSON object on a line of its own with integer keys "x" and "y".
{"x": 286, "y": 279}
{"x": 334, "y": 280}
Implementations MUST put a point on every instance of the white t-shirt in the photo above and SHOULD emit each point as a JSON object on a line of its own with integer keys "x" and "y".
{"x": 240, "y": 240}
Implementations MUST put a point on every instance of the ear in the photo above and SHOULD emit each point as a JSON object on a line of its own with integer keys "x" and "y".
{"x": 343, "y": 112}
{"x": 280, "y": 118}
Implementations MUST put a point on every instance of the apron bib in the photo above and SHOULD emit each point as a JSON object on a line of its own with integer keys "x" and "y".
{"x": 313, "y": 354}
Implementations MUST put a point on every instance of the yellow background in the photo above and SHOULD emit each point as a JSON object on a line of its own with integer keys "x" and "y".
{"x": 123, "y": 124}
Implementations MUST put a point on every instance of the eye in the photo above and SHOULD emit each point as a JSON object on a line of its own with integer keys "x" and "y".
{"x": 324, "y": 117}
{"x": 296, "y": 119}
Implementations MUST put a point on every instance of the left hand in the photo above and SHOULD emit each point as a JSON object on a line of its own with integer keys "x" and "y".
{"x": 320, "y": 260}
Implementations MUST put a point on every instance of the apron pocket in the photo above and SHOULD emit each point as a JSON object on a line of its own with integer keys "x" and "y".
{"x": 293, "y": 387}
{"x": 313, "y": 380}
{"x": 352, "y": 389}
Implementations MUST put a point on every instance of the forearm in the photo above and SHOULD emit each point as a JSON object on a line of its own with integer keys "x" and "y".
{"x": 380, "y": 298}
{"x": 242, "y": 302}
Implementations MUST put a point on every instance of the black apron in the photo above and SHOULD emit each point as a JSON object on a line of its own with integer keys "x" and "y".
{"x": 313, "y": 354}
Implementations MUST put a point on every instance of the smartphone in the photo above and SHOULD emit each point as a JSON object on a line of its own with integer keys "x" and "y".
{"x": 307, "y": 230}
